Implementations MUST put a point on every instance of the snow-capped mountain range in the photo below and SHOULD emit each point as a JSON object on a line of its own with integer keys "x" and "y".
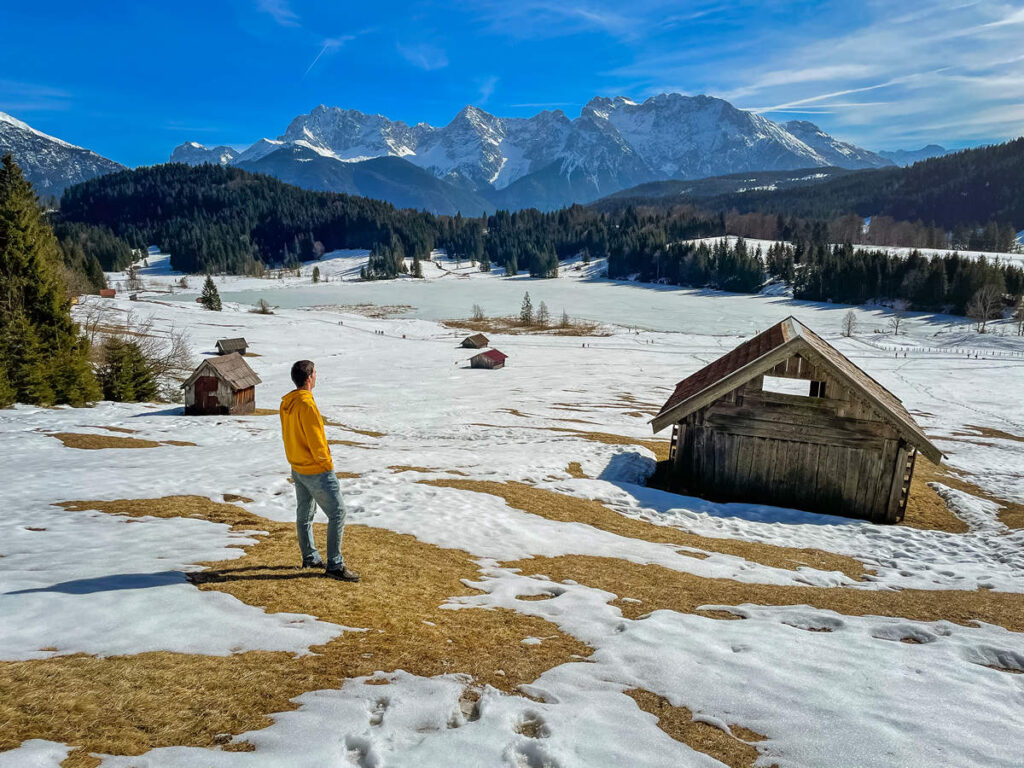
{"x": 48, "y": 162}
{"x": 550, "y": 160}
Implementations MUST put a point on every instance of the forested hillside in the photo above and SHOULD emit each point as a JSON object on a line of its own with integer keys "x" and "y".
{"x": 973, "y": 191}
{"x": 215, "y": 218}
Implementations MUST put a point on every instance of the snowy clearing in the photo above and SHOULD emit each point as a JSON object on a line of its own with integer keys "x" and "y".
{"x": 887, "y": 689}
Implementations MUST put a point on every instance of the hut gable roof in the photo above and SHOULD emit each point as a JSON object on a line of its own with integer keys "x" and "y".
{"x": 232, "y": 345}
{"x": 477, "y": 340}
{"x": 766, "y": 350}
{"x": 493, "y": 355}
{"x": 232, "y": 369}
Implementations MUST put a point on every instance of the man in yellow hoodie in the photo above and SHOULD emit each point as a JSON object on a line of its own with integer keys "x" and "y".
{"x": 305, "y": 445}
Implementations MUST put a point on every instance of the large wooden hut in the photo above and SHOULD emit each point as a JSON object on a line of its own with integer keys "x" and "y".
{"x": 227, "y": 346}
{"x": 492, "y": 358}
{"x": 786, "y": 419}
{"x": 221, "y": 385}
{"x": 476, "y": 341}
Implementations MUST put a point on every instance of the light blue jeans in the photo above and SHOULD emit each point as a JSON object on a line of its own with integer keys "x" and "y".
{"x": 312, "y": 491}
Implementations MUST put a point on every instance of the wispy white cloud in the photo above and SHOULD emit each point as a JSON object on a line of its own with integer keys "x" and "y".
{"x": 487, "y": 86}
{"x": 279, "y": 11}
{"x": 544, "y": 19}
{"x": 423, "y": 55}
{"x": 17, "y": 96}
{"x": 894, "y": 76}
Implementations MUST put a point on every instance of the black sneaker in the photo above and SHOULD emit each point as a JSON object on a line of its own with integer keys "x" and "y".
{"x": 342, "y": 574}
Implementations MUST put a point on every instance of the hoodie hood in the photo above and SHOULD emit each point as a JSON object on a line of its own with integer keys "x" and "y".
{"x": 293, "y": 398}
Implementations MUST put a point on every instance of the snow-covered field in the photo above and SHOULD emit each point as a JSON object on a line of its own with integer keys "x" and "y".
{"x": 85, "y": 582}
{"x": 1015, "y": 257}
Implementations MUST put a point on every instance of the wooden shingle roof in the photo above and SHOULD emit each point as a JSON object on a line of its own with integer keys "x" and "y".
{"x": 493, "y": 355}
{"x": 766, "y": 350}
{"x": 232, "y": 368}
{"x": 477, "y": 340}
{"x": 231, "y": 345}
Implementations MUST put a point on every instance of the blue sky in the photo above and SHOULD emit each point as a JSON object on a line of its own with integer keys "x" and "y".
{"x": 133, "y": 80}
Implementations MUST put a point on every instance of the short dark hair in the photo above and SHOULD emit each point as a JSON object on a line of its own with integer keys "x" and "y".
{"x": 301, "y": 372}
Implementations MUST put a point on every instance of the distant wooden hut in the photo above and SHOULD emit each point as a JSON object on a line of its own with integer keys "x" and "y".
{"x": 221, "y": 385}
{"x": 786, "y": 419}
{"x": 476, "y": 341}
{"x": 492, "y": 358}
{"x": 227, "y": 346}
{"x": 107, "y": 293}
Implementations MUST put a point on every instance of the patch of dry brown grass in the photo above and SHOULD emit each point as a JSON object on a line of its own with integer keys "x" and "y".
{"x": 127, "y": 705}
{"x": 364, "y": 432}
{"x": 351, "y": 443}
{"x": 232, "y": 497}
{"x": 511, "y": 325}
{"x": 735, "y": 750}
{"x": 97, "y": 442}
{"x": 396, "y": 468}
{"x": 264, "y": 412}
{"x": 575, "y": 469}
{"x": 926, "y": 509}
{"x": 991, "y": 432}
{"x": 662, "y": 588}
{"x": 660, "y": 448}
{"x": 569, "y": 509}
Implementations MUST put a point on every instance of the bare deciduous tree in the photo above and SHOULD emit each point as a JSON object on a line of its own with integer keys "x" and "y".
{"x": 986, "y": 304}
{"x": 899, "y": 312}
{"x": 849, "y": 323}
{"x": 262, "y": 308}
{"x": 134, "y": 281}
{"x": 478, "y": 312}
{"x": 543, "y": 316}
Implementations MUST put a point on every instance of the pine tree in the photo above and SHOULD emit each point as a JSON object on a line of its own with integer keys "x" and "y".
{"x": 526, "y": 311}
{"x": 210, "y": 298}
{"x": 417, "y": 267}
{"x": 316, "y": 274}
{"x": 43, "y": 357}
{"x": 126, "y": 375}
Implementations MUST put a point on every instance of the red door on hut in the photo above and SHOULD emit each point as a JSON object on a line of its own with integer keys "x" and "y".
{"x": 206, "y": 393}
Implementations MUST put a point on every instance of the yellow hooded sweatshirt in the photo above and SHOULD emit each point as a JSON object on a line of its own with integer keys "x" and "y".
{"x": 302, "y": 427}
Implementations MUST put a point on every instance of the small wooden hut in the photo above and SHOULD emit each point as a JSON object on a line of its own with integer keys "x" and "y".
{"x": 227, "y": 346}
{"x": 221, "y": 385}
{"x": 492, "y": 358}
{"x": 476, "y": 341}
{"x": 786, "y": 419}
{"x": 107, "y": 293}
